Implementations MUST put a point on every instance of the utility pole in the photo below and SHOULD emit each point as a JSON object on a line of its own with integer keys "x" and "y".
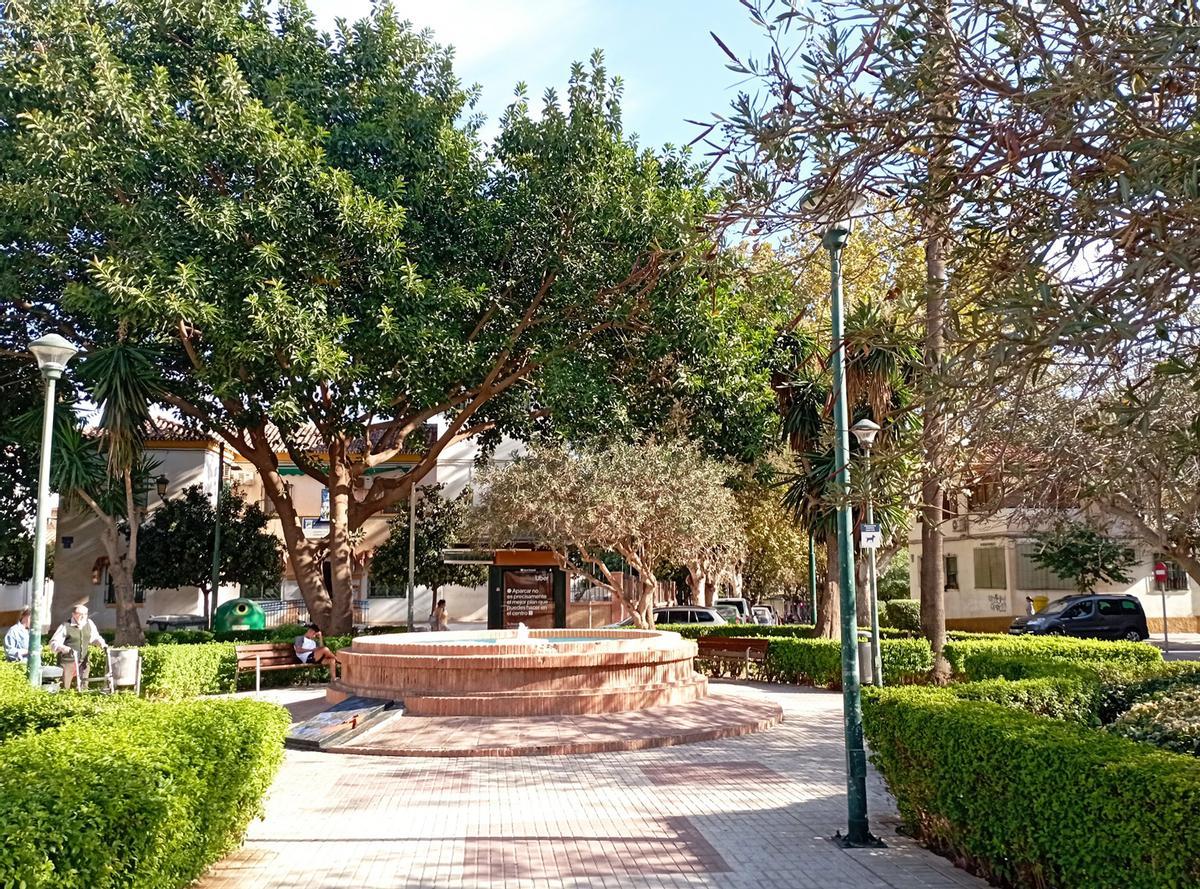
{"x": 215, "y": 585}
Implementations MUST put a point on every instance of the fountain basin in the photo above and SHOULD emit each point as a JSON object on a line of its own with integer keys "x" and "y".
{"x": 494, "y": 673}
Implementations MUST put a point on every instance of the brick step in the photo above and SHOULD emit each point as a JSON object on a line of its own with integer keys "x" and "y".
{"x": 549, "y": 702}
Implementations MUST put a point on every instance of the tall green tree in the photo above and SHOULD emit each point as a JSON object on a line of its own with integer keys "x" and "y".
{"x": 176, "y": 545}
{"x": 1084, "y": 554}
{"x": 440, "y": 525}
{"x": 326, "y": 254}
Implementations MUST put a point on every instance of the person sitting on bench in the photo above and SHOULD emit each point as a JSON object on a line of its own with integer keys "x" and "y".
{"x": 310, "y": 648}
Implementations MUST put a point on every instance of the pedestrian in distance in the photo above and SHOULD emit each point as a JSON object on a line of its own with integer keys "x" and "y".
{"x": 437, "y": 619}
{"x": 16, "y": 640}
{"x": 71, "y": 642}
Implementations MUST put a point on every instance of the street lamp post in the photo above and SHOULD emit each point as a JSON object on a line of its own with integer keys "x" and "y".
{"x": 858, "y": 833}
{"x": 412, "y": 550}
{"x": 865, "y": 431}
{"x": 52, "y": 353}
{"x": 215, "y": 580}
{"x": 812, "y": 573}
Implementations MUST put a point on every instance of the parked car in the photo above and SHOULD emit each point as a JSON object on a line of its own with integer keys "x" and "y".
{"x": 743, "y": 607}
{"x": 764, "y": 615}
{"x": 731, "y": 614}
{"x": 1093, "y": 615}
{"x": 679, "y": 614}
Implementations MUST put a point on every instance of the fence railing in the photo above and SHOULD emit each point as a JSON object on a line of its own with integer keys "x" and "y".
{"x": 293, "y": 611}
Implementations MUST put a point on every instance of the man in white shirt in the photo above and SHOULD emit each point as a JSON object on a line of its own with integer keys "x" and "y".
{"x": 16, "y": 640}
{"x": 310, "y": 649}
{"x": 71, "y": 642}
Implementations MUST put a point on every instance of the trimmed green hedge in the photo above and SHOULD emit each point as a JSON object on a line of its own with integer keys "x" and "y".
{"x": 970, "y": 657}
{"x": 1032, "y": 801}
{"x": 818, "y": 662}
{"x": 787, "y": 631}
{"x": 902, "y": 614}
{"x": 141, "y": 795}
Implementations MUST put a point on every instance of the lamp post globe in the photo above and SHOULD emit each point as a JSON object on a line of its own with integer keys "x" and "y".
{"x": 160, "y": 485}
{"x": 52, "y": 353}
{"x": 865, "y": 431}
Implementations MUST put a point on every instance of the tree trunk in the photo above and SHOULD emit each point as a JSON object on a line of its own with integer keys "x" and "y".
{"x": 340, "y": 550}
{"x": 302, "y": 556}
{"x": 933, "y": 583}
{"x": 941, "y": 184}
{"x": 129, "y": 626}
{"x": 827, "y": 608}
{"x": 862, "y": 601}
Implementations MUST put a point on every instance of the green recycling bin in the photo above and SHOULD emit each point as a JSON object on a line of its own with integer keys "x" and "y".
{"x": 239, "y": 614}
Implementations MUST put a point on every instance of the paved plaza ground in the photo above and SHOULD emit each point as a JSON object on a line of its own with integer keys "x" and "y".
{"x": 754, "y": 812}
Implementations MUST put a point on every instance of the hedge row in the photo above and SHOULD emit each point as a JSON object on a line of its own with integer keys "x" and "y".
{"x": 818, "y": 662}
{"x": 1030, "y": 801}
{"x": 967, "y": 656}
{"x": 182, "y": 671}
{"x": 141, "y": 795}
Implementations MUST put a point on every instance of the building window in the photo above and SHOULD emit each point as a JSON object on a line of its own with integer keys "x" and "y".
{"x": 949, "y": 506}
{"x": 989, "y": 569}
{"x": 110, "y": 592}
{"x": 1032, "y": 576}
{"x": 1177, "y": 578}
{"x": 951, "y": 572}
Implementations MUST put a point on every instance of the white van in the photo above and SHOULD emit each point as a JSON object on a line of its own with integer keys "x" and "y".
{"x": 742, "y": 606}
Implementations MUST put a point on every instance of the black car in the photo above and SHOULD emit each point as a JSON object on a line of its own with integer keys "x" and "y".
{"x": 1095, "y": 616}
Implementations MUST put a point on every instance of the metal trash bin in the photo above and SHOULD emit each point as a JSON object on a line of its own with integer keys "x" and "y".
{"x": 866, "y": 671}
{"x": 51, "y": 678}
{"x": 126, "y": 667}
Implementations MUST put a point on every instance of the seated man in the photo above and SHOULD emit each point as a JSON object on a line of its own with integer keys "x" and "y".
{"x": 16, "y": 640}
{"x": 310, "y": 649}
{"x": 71, "y": 642}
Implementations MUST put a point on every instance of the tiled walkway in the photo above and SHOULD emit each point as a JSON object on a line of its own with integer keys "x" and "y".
{"x": 753, "y": 812}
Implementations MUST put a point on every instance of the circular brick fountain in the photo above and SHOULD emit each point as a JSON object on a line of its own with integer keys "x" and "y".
{"x": 499, "y": 673}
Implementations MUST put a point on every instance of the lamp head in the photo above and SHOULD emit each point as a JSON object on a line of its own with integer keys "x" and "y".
{"x": 52, "y": 353}
{"x": 161, "y": 484}
{"x": 835, "y": 217}
{"x": 865, "y": 431}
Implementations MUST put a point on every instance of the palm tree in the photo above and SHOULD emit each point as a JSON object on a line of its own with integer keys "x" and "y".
{"x": 882, "y": 360}
{"x": 107, "y": 473}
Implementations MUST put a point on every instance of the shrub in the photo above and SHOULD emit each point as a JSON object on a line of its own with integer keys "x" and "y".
{"x": 1169, "y": 719}
{"x": 819, "y": 661}
{"x": 1076, "y": 699}
{"x": 968, "y": 656}
{"x": 177, "y": 671}
{"x": 180, "y": 637}
{"x": 902, "y": 614}
{"x": 1033, "y": 801}
{"x": 144, "y": 795}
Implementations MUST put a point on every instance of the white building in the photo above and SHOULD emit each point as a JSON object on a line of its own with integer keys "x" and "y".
{"x": 188, "y": 458}
{"x": 989, "y": 571}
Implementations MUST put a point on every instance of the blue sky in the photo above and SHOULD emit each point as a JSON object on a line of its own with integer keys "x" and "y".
{"x": 661, "y": 48}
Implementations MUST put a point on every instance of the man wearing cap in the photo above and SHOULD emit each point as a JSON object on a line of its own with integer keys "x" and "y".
{"x": 71, "y": 642}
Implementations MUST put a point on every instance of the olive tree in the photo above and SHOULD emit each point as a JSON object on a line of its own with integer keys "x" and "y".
{"x": 656, "y": 505}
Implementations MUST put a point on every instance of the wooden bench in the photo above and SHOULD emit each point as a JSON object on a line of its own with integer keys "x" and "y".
{"x": 261, "y": 656}
{"x": 742, "y": 651}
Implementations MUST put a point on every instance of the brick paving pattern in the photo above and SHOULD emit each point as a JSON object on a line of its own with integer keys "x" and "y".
{"x": 717, "y": 716}
{"x": 752, "y": 812}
